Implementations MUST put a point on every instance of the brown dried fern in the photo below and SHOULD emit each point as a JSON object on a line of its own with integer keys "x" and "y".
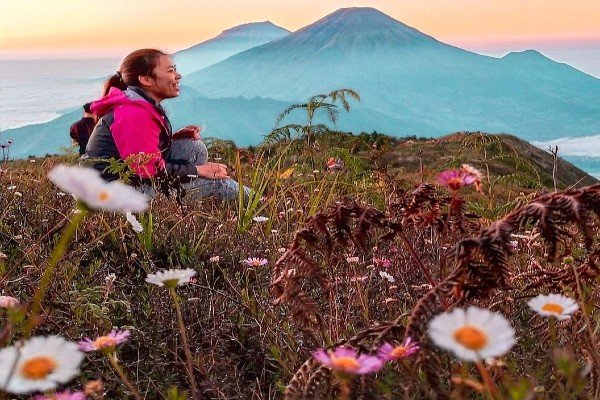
{"x": 481, "y": 262}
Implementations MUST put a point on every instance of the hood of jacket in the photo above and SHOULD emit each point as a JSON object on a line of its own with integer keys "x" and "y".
{"x": 117, "y": 97}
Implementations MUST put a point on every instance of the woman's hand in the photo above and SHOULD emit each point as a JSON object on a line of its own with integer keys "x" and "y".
{"x": 189, "y": 132}
{"x": 212, "y": 171}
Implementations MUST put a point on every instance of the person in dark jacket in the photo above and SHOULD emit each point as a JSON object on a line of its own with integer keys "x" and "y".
{"x": 134, "y": 127}
{"x": 81, "y": 130}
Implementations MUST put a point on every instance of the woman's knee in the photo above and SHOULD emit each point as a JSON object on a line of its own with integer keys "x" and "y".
{"x": 227, "y": 188}
{"x": 192, "y": 150}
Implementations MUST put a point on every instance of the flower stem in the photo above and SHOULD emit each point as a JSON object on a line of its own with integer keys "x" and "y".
{"x": 112, "y": 358}
{"x": 186, "y": 346}
{"x": 344, "y": 389}
{"x": 416, "y": 259}
{"x": 487, "y": 379}
{"x": 57, "y": 253}
{"x": 553, "y": 340}
{"x": 588, "y": 323}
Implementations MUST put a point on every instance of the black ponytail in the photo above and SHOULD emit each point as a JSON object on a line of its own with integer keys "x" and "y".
{"x": 113, "y": 81}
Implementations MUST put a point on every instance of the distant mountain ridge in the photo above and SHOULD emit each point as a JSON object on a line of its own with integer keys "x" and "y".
{"x": 226, "y": 44}
{"x": 405, "y": 74}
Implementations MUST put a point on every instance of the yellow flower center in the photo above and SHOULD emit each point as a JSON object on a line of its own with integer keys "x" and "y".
{"x": 344, "y": 363}
{"x": 398, "y": 351}
{"x": 171, "y": 283}
{"x": 256, "y": 263}
{"x": 553, "y": 308}
{"x": 105, "y": 341}
{"x": 103, "y": 195}
{"x": 471, "y": 337}
{"x": 455, "y": 183}
{"x": 38, "y": 367}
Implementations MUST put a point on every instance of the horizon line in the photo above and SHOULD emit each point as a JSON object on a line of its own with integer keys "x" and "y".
{"x": 470, "y": 44}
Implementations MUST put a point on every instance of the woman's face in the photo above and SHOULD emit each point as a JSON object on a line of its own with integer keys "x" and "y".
{"x": 165, "y": 82}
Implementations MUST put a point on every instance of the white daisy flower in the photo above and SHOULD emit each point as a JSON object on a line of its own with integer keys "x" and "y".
{"x": 386, "y": 276}
{"x": 41, "y": 364}
{"x": 11, "y": 187}
{"x": 472, "y": 334}
{"x": 553, "y": 305}
{"x": 86, "y": 185}
{"x": 171, "y": 278}
{"x": 260, "y": 218}
{"x": 135, "y": 224}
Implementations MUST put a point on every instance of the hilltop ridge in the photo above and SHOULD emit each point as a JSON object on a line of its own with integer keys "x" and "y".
{"x": 510, "y": 160}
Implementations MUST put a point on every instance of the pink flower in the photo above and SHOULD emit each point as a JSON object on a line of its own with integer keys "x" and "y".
{"x": 66, "y": 395}
{"x": 475, "y": 173}
{"x": 334, "y": 164}
{"x": 255, "y": 262}
{"x": 406, "y": 349}
{"x": 384, "y": 262}
{"x": 105, "y": 343}
{"x": 455, "y": 179}
{"x": 346, "y": 360}
{"x": 8, "y": 302}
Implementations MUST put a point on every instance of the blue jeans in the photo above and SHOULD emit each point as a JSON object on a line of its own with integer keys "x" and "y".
{"x": 195, "y": 151}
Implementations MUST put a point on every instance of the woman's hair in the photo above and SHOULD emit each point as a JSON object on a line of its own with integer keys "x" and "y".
{"x": 138, "y": 63}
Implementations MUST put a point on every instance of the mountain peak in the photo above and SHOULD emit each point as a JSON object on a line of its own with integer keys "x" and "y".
{"x": 229, "y": 42}
{"x": 251, "y": 29}
{"x": 255, "y": 32}
{"x": 361, "y": 25}
{"x": 362, "y": 16}
{"x": 531, "y": 54}
{"x": 526, "y": 56}
{"x": 360, "y": 11}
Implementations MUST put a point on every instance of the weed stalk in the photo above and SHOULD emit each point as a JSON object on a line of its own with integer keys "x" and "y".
{"x": 186, "y": 345}
{"x": 57, "y": 253}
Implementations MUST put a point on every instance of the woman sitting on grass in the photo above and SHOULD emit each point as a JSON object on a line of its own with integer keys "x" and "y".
{"x": 134, "y": 127}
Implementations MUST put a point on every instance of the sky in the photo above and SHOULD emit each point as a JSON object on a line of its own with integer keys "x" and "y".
{"x": 84, "y": 28}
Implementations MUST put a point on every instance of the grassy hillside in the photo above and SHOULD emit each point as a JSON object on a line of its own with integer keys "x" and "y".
{"x": 360, "y": 256}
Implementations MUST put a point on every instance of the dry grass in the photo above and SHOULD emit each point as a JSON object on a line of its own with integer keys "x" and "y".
{"x": 251, "y": 330}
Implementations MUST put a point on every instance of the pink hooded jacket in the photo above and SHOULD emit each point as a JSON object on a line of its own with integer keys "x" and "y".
{"x": 136, "y": 129}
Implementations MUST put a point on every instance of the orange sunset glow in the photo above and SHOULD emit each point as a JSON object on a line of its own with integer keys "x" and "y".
{"x": 105, "y": 26}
